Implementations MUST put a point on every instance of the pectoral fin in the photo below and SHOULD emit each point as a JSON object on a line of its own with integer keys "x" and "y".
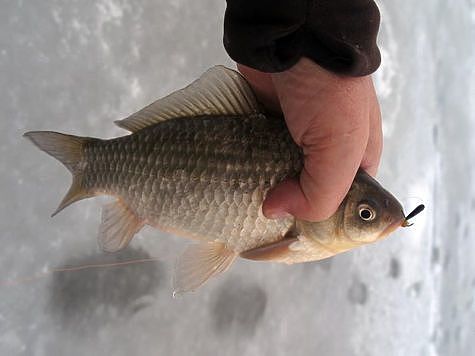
{"x": 278, "y": 251}
{"x": 119, "y": 224}
{"x": 200, "y": 262}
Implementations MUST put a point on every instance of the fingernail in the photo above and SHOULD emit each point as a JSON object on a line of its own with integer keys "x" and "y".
{"x": 278, "y": 214}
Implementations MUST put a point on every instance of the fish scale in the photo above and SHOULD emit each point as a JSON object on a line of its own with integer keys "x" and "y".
{"x": 202, "y": 176}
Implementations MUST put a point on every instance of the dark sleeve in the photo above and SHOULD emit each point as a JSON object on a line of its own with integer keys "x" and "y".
{"x": 272, "y": 35}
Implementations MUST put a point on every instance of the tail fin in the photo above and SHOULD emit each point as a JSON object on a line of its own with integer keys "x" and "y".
{"x": 68, "y": 150}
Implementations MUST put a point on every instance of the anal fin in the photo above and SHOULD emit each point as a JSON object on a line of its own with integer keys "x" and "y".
{"x": 118, "y": 226}
{"x": 198, "y": 263}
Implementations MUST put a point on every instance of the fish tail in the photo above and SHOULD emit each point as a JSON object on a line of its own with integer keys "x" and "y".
{"x": 67, "y": 149}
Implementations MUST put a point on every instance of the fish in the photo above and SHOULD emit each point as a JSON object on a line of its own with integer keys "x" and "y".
{"x": 198, "y": 163}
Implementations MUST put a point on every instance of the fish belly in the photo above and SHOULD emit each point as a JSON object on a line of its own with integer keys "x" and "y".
{"x": 202, "y": 177}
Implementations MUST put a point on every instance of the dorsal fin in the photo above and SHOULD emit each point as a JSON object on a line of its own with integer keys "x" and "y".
{"x": 219, "y": 91}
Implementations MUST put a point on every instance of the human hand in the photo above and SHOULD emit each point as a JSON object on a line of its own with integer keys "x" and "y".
{"x": 337, "y": 122}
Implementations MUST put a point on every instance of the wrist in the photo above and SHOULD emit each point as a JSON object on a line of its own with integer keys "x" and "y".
{"x": 307, "y": 70}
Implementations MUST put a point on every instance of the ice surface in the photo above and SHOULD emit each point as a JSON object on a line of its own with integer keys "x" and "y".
{"x": 75, "y": 66}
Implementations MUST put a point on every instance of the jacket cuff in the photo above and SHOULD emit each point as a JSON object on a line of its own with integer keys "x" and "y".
{"x": 272, "y": 35}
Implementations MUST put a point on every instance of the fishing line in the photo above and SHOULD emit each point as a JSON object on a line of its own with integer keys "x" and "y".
{"x": 24, "y": 280}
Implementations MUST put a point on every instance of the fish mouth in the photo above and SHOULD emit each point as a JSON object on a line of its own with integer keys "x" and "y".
{"x": 404, "y": 221}
{"x": 393, "y": 226}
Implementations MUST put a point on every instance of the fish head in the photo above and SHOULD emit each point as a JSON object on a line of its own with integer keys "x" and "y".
{"x": 369, "y": 212}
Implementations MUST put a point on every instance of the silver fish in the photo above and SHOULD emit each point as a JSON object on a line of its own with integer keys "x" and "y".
{"x": 199, "y": 163}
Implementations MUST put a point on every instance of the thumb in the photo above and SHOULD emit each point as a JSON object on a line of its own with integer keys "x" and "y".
{"x": 324, "y": 180}
{"x": 331, "y": 124}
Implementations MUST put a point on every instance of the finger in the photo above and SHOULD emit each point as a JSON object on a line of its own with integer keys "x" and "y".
{"x": 262, "y": 86}
{"x": 333, "y": 137}
{"x": 329, "y": 170}
{"x": 330, "y": 165}
{"x": 372, "y": 155}
{"x": 277, "y": 203}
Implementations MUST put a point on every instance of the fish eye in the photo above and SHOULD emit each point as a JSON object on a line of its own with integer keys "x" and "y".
{"x": 366, "y": 212}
